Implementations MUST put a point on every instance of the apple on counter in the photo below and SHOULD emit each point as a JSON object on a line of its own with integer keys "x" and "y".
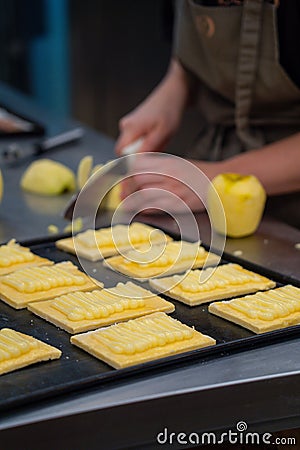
{"x": 48, "y": 177}
{"x": 243, "y": 198}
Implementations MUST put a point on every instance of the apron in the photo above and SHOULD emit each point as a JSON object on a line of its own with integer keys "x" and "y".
{"x": 246, "y": 98}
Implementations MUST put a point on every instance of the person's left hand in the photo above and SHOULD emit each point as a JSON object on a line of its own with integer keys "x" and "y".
{"x": 164, "y": 183}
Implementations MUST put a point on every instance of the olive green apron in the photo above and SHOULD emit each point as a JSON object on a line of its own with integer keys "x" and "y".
{"x": 246, "y": 98}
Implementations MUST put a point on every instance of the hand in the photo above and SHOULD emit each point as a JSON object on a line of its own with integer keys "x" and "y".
{"x": 167, "y": 183}
{"x": 158, "y": 117}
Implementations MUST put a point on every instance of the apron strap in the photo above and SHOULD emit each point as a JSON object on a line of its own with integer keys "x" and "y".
{"x": 247, "y": 70}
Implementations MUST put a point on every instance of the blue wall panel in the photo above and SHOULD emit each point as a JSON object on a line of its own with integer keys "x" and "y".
{"x": 49, "y": 69}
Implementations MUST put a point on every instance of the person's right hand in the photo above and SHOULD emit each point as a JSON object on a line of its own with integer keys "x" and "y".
{"x": 158, "y": 117}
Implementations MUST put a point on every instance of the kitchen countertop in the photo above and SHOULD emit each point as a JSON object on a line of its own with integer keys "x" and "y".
{"x": 260, "y": 386}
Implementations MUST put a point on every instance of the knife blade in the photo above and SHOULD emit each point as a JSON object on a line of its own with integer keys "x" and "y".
{"x": 87, "y": 202}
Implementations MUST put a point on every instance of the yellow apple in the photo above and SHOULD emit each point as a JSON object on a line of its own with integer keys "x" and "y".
{"x": 243, "y": 199}
{"x": 112, "y": 199}
{"x": 1, "y": 186}
{"x": 48, "y": 177}
{"x": 84, "y": 171}
{"x": 75, "y": 226}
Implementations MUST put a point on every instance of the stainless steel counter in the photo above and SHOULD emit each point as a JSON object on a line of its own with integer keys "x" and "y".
{"x": 260, "y": 386}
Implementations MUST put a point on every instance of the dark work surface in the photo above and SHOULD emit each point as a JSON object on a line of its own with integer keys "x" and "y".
{"x": 77, "y": 370}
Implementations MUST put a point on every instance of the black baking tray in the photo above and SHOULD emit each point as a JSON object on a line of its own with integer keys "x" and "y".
{"x": 77, "y": 370}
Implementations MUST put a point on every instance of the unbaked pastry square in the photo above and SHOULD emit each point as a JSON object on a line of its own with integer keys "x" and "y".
{"x": 83, "y": 311}
{"x": 19, "y": 350}
{"x": 24, "y": 286}
{"x": 161, "y": 260}
{"x": 202, "y": 286}
{"x": 263, "y": 311}
{"x": 95, "y": 245}
{"x": 141, "y": 340}
{"x": 14, "y": 256}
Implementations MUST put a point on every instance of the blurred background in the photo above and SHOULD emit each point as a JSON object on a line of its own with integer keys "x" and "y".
{"x": 93, "y": 60}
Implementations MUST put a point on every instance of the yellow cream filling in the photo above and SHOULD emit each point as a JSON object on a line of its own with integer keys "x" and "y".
{"x": 37, "y": 279}
{"x": 13, "y": 345}
{"x": 119, "y": 235}
{"x": 165, "y": 255}
{"x": 139, "y": 336}
{"x": 268, "y": 305}
{"x": 12, "y": 253}
{"x": 218, "y": 278}
{"x": 98, "y": 304}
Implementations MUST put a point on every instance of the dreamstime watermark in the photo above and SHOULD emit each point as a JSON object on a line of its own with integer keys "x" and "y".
{"x": 156, "y": 167}
{"x": 239, "y": 435}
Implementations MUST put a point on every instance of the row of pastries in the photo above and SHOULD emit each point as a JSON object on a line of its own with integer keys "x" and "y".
{"x": 129, "y": 324}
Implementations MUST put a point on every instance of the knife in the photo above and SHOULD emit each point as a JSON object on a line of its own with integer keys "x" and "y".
{"x": 86, "y": 202}
{"x": 14, "y": 152}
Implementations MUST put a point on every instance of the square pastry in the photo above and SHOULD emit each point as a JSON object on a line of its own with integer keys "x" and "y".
{"x": 23, "y": 286}
{"x": 83, "y": 311}
{"x": 13, "y": 257}
{"x": 98, "y": 244}
{"x": 140, "y": 340}
{"x": 201, "y": 286}
{"x": 19, "y": 350}
{"x": 161, "y": 260}
{"x": 264, "y": 311}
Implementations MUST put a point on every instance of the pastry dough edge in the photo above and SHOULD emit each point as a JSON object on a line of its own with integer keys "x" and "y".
{"x": 155, "y": 284}
{"x": 58, "y": 318}
{"x": 44, "y": 352}
{"x": 252, "y": 324}
{"x": 196, "y": 342}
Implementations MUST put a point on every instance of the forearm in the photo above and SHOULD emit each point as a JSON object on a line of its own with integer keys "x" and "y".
{"x": 177, "y": 85}
{"x": 157, "y": 118}
{"x": 276, "y": 165}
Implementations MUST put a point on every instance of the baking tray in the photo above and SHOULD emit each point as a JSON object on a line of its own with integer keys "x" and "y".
{"x": 77, "y": 370}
